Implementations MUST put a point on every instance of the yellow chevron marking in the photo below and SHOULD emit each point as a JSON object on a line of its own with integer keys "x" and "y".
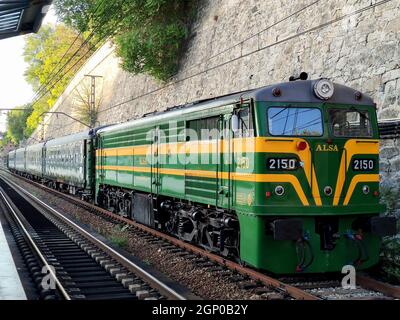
{"x": 351, "y": 148}
{"x": 289, "y": 145}
{"x": 284, "y": 178}
{"x": 358, "y": 146}
{"x": 288, "y": 178}
{"x": 340, "y": 180}
{"x": 357, "y": 179}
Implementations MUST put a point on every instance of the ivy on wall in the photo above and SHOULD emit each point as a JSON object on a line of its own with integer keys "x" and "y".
{"x": 390, "y": 257}
{"x": 150, "y": 35}
{"x": 42, "y": 53}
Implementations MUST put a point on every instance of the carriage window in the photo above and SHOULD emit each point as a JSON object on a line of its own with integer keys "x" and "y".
{"x": 350, "y": 123}
{"x": 291, "y": 121}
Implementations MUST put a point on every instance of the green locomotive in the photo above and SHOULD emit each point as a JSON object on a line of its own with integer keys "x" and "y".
{"x": 284, "y": 178}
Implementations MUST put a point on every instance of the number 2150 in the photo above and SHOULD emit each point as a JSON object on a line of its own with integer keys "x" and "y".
{"x": 363, "y": 164}
{"x": 282, "y": 164}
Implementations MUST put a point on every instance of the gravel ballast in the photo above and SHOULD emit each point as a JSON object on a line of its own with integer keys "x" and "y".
{"x": 203, "y": 282}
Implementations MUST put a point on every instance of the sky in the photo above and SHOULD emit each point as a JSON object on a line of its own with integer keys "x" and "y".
{"x": 14, "y": 91}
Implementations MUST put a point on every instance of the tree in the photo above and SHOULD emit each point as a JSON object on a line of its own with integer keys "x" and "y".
{"x": 16, "y": 124}
{"x": 4, "y": 140}
{"x": 82, "y": 104}
{"x": 75, "y": 13}
{"x": 34, "y": 45}
{"x": 149, "y": 34}
{"x": 43, "y": 52}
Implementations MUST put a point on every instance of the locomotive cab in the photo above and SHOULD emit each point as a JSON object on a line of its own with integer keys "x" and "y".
{"x": 314, "y": 206}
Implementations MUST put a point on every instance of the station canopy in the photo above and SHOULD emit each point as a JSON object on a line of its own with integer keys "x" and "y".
{"x": 18, "y": 17}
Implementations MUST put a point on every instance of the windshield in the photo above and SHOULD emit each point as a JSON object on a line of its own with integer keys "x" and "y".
{"x": 350, "y": 123}
{"x": 292, "y": 121}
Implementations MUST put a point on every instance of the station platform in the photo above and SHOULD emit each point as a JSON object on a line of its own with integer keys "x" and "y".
{"x": 10, "y": 283}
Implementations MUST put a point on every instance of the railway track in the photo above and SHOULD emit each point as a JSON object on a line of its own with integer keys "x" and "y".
{"x": 67, "y": 262}
{"x": 307, "y": 288}
{"x": 329, "y": 287}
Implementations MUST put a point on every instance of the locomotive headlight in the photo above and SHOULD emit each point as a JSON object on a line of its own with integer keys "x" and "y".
{"x": 279, "y": 190}
{"x": 324, "y": 89}
{"x": 365, "y": 189}
{"x": 328, "y": 191}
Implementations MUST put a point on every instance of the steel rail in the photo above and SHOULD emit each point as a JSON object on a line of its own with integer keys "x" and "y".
{"x": 33, "y": 244}
{"x": 146, "y": 276}
{"x": 372, "y": 284}
{"x": 253, "y": 274}
{"x": 297, "y": 293}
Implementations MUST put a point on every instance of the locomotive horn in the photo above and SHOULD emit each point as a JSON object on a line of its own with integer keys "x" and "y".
{"x": 301, "y": 76}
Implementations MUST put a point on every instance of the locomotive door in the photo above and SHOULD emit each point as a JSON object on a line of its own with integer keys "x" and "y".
{"x": 155, "y": 164}
{"x": 224, "y": 164}
{"x": 102, "y": 162}
{"x": 155, "y": 177}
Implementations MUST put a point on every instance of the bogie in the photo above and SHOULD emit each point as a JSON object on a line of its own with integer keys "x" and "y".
{"x": 279, "y": 181}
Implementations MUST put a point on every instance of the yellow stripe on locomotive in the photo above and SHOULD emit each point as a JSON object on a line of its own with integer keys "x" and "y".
{"x": 285, "y": 178}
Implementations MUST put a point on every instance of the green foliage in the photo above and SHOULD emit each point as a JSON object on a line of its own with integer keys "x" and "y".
{"x": 43, "y": 52}
{"x": 4, "y": 140}
{"x": 16, "y": 125}
{"x": 153, "y": 50}
{"x": 35, "y": 117}
{"x": 34, "y": 45}
{"x": 149, "y": 34}
{"x": 75, "y": 12}
{"x": 391, "y": 258}
{"x": 390, "y": 196}
{"x": 391, "y": 245}
{"x": 119, "y": 237}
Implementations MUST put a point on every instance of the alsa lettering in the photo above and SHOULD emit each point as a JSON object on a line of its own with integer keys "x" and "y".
{"x": 327, "y": 147}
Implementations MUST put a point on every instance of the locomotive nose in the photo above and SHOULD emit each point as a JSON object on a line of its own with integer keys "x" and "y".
{"x": 326, "y": 159}
{"x": 344, "y": 175}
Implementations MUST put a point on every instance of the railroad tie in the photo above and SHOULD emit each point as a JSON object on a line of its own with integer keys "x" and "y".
{"x": 134, "y": 287}
{"x": 142, "y": 294}
{"x": 126, "y": 282}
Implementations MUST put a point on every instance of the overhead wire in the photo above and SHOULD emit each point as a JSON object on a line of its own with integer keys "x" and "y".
{"x": 51, "y": 76}
{"x": 268, "y": 46}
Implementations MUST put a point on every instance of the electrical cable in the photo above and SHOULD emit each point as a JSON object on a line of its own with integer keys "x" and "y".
{"x": 299, "y": 267}
{"x": 311, "y": 253}
{"x": 374, "y": 5}
{"x": 82, "y": 45}
{"x": 40, "y": 89}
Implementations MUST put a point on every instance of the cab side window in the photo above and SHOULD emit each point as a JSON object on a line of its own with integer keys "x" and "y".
{"x": 245, "y": 123}
{"x": 203, "y": 129}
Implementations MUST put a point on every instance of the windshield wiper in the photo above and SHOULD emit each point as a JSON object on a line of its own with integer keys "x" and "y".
{"x": 285, "y": 108}
{"x": 362, "y": 115}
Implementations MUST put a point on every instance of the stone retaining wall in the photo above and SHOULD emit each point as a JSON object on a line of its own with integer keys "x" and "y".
{"x": 236, "y": 45}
